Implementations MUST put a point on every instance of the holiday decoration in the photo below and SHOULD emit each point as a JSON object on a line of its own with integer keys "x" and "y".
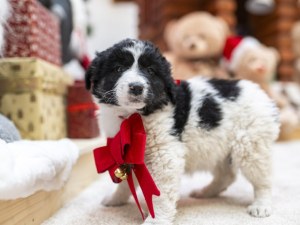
{"x": 154, "y": 15}
{"x": 72, "y": 15}
{"x": 196, "y": 42}
{"x": 235, "y": 48}
{"x": 124, "y": 155}
{"x": 81, "y": 111}
{"x": 247, "y": 58}
{"x": 32, "y": 95}
{"x": 63, "y": 10}
{"x": 78, "y": 44}
{"x": 33, "y": 32}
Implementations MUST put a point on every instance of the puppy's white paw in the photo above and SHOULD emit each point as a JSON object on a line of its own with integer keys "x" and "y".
{"x": 113, "y": 201}
{"x": 259, "y": 210}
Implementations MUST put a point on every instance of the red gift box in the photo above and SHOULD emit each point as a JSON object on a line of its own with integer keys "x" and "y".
{"x": 33, "y": 31}
{"x": 81, "y": 116}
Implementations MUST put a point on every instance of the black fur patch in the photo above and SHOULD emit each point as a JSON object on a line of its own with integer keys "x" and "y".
{"x": 210, "y": 113}
{"x": 227, "y": 89}
{"x": 156, "y": 69}
{"x": 182, "y": 108}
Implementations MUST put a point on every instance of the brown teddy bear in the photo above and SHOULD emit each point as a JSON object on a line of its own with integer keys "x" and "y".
{"x": 196, "y": 42}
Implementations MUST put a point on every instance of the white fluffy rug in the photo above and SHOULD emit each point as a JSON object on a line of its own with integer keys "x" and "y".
{"x": 228, "y": 209}
{"x": 29, "y": 166}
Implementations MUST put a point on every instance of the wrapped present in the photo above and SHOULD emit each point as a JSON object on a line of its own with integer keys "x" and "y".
{"x": 81, "y": 117}
{"x": 33, "y": 31}
{"x": 32, "y": 95}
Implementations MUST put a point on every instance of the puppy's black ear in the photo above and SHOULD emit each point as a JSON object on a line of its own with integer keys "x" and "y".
{"x": 169, "y": 81}
{"x": 171, "y": 90}
{"x": 90, "y": 72}
{"x": 93, "y": 70}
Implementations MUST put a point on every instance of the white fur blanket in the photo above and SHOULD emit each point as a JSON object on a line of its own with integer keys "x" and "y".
{"x": 30, "y": 166}
{"x": 228, "y": 209}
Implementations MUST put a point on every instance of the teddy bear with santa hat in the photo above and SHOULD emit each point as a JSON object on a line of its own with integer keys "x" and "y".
{"x": 247, "y": 58}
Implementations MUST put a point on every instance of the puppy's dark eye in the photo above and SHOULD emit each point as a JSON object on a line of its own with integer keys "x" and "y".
{"x": 120, "y": 69}
{"x": 150, "y": 70}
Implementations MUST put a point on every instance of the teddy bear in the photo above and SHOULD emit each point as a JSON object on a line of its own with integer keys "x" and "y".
{"x": 195, "y": 43}
{"x": 247, "y": 58}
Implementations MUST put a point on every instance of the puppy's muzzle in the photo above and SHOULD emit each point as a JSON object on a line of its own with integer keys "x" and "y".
{"x": 136, "y": 88}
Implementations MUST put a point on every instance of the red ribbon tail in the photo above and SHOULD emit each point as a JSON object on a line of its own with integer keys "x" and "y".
{"x": 147, "y": 185}
{"x": 132, "y": 189}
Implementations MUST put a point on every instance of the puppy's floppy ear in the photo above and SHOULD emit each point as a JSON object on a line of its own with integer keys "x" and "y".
{"x": 92, "y": 70}
{"x": 89, "y": 73}
{"x": 169, "y": 81}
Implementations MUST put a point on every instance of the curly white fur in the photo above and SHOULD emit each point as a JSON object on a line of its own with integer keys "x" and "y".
{"x": 241, "y": 142}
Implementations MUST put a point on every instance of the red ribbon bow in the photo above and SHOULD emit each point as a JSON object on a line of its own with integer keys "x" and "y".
{"x": 125, "y": 153}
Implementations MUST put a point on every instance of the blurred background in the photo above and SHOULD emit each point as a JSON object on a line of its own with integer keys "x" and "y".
{"x": 111, "y": 23}
{"x": 270, "y": 21}
{"x": 258, "y": 40}
{"x": 46, "y": 47}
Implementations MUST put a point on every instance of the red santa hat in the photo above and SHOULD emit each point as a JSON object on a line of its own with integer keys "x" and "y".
{"x": 234, "y": 47}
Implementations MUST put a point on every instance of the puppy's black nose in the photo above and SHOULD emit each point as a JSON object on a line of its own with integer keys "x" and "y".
{"x": 136, "y": 88}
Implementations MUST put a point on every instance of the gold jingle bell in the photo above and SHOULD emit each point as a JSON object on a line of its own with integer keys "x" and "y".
{"x": 120, "y": 173}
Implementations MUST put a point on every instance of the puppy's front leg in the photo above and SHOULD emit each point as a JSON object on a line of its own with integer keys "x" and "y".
{"x": 166, "y": 171}
{"x": 119, "y": 197}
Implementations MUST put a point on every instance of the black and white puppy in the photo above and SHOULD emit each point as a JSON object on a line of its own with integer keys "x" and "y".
{"x": 219, "y": 126}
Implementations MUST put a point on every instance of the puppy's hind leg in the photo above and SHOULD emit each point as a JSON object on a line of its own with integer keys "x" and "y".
{"x": 224, "y": 175}
{"x": 257, "y": 170}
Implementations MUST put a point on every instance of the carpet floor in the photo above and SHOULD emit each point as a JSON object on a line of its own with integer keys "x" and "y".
{"x": 228, "y": 209}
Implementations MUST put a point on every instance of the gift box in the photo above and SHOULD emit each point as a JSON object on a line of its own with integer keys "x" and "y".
{"x": 33, "y": 31}
{"x": 81, "y": 116}
{"x": 32, "y": 95}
